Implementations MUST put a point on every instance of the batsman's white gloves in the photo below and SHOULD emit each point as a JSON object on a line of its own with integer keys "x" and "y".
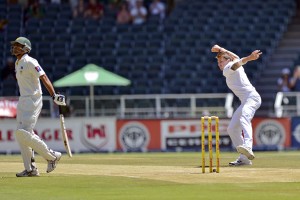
{"x": 59, "y": 99}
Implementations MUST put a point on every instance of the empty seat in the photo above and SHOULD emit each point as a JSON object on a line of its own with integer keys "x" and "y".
{"x": 174, "y": 54}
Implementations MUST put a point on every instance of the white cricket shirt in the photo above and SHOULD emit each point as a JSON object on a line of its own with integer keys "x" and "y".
{"x": 28, "y": 72}
{"x": 238, "y": 82}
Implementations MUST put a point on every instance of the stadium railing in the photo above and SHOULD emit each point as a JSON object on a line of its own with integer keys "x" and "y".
{"x": 147, "y": 106}
{"x": 287, "y": 104}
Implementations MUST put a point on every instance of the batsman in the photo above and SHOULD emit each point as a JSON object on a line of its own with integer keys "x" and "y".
{"x": 28, "y": 74}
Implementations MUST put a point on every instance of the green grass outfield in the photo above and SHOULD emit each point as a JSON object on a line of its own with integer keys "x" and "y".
{"x": 159, "y": 176}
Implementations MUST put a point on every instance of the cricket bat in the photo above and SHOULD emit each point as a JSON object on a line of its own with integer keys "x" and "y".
{"x": 64, "y": 133}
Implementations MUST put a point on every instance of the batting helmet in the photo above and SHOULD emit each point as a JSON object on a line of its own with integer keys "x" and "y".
{"x": 23, "y": 41}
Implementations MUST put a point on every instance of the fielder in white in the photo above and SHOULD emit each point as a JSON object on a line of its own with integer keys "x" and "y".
{"x": 28, "y": 74}
{"x": 240, "y": 127}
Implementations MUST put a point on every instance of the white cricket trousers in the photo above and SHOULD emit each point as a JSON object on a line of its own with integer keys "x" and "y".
{"x": 28, "y": 110}
{"x": 240, "y": 127}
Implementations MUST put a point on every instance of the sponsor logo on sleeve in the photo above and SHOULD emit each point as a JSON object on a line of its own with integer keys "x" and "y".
{"x": 38, "y": 68}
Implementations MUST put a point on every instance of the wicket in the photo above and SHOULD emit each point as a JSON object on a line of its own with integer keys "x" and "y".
{"x": 210, "y": 142}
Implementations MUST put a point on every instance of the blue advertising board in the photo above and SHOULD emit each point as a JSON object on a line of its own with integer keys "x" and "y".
{"x": 295, "y": 132}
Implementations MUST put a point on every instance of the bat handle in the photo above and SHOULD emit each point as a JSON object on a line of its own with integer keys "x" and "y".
{"x": 60, "y": 109}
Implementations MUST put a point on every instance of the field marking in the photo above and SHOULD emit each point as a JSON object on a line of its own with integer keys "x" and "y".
{"x": 176, "y": 174}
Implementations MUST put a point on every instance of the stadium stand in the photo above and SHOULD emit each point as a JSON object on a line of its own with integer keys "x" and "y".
{"x": 170, "y": 56}
{"x": 286, "y": 55}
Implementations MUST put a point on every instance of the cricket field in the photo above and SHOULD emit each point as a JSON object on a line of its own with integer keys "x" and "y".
{"x": 159, "y": 176}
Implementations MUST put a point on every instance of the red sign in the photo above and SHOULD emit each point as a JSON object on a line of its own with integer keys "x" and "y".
{"x": 138, "y": 135}
{"x": 45, "y": 134}
{"x": 273, "y": 132}
{"x": 8, "y": 108}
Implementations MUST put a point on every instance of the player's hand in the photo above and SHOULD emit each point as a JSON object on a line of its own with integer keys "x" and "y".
{"x": 59, "y": 99}
{"x": 255, "y": 55}
{"x": 216, "y": 49}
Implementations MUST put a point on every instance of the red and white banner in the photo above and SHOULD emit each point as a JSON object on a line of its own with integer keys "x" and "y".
{"x": 8, "y": 107}
{"x": 85, "y": 134}
{"x": 185, "y": 134}
{"x": 138, "y": 135}
{"x": 272, "y": 132}
{"x": 109, "y": 134}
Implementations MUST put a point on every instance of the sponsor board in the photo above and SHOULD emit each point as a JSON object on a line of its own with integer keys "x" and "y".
{"x": 138, "y": 135}
{"x": 109, "y": 134}
{"x": 296, "y": 132}
{"x": 98, "y": 135}
{"x": 185, "y": 134}
{"x": 85, "y": 134}
{"x": 269, "y": 132}
{"x": 8, "y": 107}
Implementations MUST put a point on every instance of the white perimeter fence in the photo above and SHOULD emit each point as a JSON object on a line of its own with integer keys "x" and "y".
{"x": 287, "y": 104}
{"x": 147, "y": 106}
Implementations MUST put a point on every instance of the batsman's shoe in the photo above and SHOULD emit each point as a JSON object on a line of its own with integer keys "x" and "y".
{"x": 25, "y": 173}
{"x": 247, "y": 151}
{"x": 240, "y": 162}
{"x": 52, "y": 163}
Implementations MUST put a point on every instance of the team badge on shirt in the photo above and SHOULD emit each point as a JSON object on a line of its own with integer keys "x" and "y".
{"x": 37, "y": 68}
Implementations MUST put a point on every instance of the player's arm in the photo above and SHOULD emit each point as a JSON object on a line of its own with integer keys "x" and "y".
{"x": 47, "y": 83}
{"x": 217, "y": 49}
{"x": 253, "y": 56}
{"x": 57, "y": 98}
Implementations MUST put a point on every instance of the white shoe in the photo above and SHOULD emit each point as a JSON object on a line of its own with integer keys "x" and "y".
{"x": 52, "y": 163}
{"x": 25, "y": 173}
{"x": 247, "y": 151}
{"x": 240, "y": 162}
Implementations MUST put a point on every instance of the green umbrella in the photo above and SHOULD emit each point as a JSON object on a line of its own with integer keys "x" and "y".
{"x": 91, "y": 75}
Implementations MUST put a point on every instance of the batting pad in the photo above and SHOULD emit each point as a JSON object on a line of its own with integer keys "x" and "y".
{"x": 27, "y": 139}
{"x": 26, "y": 155}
